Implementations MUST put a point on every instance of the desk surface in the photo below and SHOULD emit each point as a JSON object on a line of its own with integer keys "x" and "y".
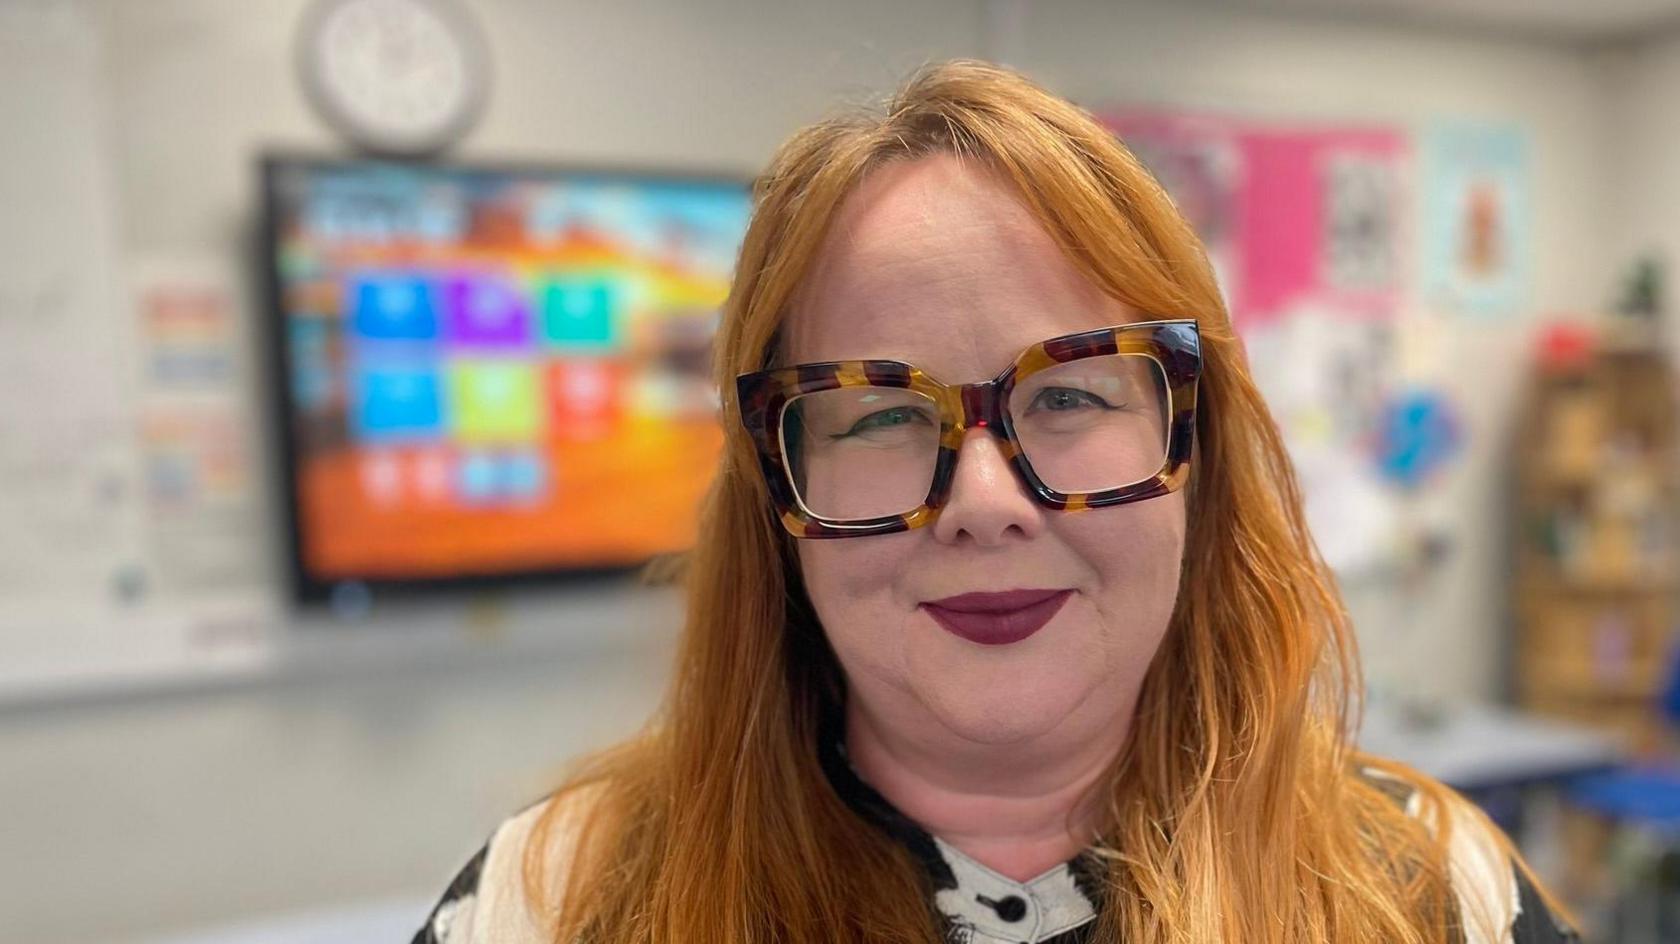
{"x": 1483, "y": 746}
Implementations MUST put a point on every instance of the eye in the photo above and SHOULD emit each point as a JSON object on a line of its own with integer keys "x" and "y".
{"x": 894, "y": 418}
{"x": 1066, "y": 399}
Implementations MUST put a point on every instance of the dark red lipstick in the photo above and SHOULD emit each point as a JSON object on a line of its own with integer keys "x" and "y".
{"x": 997, "y": 619}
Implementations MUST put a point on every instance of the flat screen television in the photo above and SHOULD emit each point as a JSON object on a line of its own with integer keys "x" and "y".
{"x": 489, "y": 374}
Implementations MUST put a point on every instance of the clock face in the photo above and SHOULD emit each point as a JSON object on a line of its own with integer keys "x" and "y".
{"x": 395, "y": 76}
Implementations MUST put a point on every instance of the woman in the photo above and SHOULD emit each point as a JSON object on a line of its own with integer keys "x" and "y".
{"x": 1004, "y": 624}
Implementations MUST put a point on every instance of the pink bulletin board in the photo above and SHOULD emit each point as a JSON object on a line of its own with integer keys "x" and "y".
{"x": 1321, "y": 221}
{"x": 1292, "y": 215}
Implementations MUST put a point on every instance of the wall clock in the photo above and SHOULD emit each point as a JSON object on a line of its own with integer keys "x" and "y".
{"x": 395, "y": 77}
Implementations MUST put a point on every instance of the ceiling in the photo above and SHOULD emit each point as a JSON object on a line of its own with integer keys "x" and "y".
{"x": 1580, "y": 21}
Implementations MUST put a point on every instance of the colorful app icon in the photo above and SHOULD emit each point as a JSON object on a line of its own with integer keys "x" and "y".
{"x": 524, "y": 477}
{"x": 393, "y": 307}
{"x": 495, "y": 401}
{"x": 586, "y": 396}
{"x": 395, "y": 401}
{"x": 485, "y": 310}
{"x": 381, "y": 475}
{"x": 478, "y": 479}
{"x": 580, "y": 311}
{"x": 431, "y": 470}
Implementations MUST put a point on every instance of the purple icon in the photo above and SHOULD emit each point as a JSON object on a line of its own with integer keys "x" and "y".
{"x": 485, "y": 310}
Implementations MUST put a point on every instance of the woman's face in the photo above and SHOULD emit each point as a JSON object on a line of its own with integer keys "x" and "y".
{"x": 936, "y": 262}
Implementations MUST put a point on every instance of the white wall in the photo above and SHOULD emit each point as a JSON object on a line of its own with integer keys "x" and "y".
{"x": 170, "y": 811}
{"x": 134, "y": 815}
{"x": 1645, "y": 196}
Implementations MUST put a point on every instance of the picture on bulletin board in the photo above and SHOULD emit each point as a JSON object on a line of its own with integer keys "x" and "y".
{"x": 493, "y": 374}
{"x": 1361, "y": 223}
{"x": 1476, "y": 253}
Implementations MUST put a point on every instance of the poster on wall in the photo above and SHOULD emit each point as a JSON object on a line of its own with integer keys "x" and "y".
{"x": 194, "y": 429}
{"x": 1361, "y": 253}
{"x": 1476, "y": 252}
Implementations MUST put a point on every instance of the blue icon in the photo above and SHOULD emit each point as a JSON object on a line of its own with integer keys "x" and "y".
{"x": 479, "y": 478}
{"x": 394, "y": 402}
{"x": 394, "y": 308}
{"x": 524, "y": 476}
{"x": 483, "y": 478}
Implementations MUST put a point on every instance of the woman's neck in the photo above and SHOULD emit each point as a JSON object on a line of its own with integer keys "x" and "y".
{"x": 1017, "y": 810}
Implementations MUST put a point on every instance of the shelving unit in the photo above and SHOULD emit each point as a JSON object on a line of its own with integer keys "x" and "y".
{"x": 1598, "y": 544}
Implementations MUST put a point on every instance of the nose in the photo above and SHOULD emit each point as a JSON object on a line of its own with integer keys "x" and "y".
{"x": 987, "y": 499}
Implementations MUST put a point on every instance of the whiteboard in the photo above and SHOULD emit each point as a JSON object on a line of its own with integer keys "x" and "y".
{"x": 77, "y": 598}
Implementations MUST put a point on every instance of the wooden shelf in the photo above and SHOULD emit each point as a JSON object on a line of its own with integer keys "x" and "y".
{"x": 1556, "y": 585}
{"x": 1598, "y": 461}
{"x": 1560, "y": 678}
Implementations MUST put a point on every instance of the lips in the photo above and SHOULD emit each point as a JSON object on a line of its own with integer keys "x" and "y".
{"x": 997, "y": 619}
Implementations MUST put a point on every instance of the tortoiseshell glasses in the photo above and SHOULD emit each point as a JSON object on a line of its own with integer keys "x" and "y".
{"x": 1088, "y": 420}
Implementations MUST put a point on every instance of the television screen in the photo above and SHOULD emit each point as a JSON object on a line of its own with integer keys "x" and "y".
{"x": 492, "y": 373}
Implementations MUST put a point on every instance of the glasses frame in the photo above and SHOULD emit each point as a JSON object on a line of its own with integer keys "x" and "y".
{"x": 1174, "y": 345}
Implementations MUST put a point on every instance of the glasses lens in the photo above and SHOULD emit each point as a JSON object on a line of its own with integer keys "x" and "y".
{"x": 1093, "y": 424}
{"x": 860, "y": 452}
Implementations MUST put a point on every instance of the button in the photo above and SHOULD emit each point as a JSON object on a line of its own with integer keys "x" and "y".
{"x": 1010, "y": 908}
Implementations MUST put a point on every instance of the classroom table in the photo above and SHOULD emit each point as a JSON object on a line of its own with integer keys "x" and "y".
{"x": 1478, "y": 747}
{"x": 1512, "y": 764}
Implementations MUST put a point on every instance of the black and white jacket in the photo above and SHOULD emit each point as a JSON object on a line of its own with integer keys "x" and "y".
{"x": 976, "y": 905}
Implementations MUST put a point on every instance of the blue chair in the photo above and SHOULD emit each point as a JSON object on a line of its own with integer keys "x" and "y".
{"x": 1644, "y": 794}
{"x": 1671, "y": 697}
{"x": 1643, "y": 801}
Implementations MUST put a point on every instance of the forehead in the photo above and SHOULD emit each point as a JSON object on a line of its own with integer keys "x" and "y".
{"x": 937, "y": 262}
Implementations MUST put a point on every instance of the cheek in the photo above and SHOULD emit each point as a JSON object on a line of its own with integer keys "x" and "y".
{"x": 853, "y": 584}
{"x": 1134, "y": 555}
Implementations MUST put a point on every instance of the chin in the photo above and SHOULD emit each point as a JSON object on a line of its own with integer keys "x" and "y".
{"x": 1000, "y": 715}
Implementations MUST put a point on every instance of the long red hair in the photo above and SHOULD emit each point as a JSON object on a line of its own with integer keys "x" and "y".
{"x": 1234, "y": 813}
